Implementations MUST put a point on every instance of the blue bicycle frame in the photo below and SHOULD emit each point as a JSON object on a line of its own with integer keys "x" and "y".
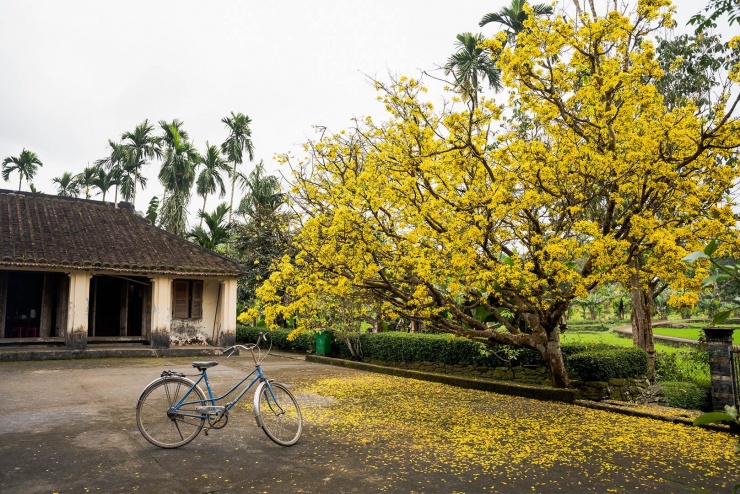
{"x": 212, "y": 400}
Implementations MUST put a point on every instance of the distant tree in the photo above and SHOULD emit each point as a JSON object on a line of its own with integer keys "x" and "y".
{"x": 105, "y": 180}
{"x": 86, "y": 180}
{"x": 177, "y": 175}
{"x": 209, "y": 180}
{"x": 470, "y": 65}
{"x": 26, "y": 164}
{"x": 67, "y": 185}
{"x": 716, "y": 9}
{"x": 151, "y": 211}
{"x": 238, "y": 141}
{"x": 114, "y": 162}
{"x": 264, "y": 238}
{"x": 217, "y": 228}
{"x": 141, "y": 145}
{"x": 513, "y": 17}
{"x": 264, "y": 194}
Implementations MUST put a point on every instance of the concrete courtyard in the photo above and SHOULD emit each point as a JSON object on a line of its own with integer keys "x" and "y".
{"x": 68, "y": 426}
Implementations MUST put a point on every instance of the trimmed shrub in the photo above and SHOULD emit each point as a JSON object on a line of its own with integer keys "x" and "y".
{"x": 305, "y": 343}
{"x": 602, "y": 365}
{"x": 576, "y": 327}
{"x": 687, "y": 395}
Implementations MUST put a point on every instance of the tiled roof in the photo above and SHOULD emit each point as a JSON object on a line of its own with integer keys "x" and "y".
{"x": 44, "y": 231}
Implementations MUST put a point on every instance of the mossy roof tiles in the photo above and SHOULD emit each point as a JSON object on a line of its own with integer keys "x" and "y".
{"x": 45, "y": 231}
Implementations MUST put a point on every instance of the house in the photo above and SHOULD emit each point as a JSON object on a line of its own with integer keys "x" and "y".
{"x": 75, "y": 271}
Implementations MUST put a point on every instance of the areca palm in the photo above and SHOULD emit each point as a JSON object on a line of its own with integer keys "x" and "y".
{"x": 105, "y": 180}
{"x": 217, "y": 228}
{"x": 86, "y": 179}
{"x": 264, "y": 194}
{"x": 67, "y": 185}
{"x": 141, "y": 145}
{"x": 177, "y": 175}
{"x": 210, "y": 180}
{"x": 238, "y": 141}
{"x": 26, "y": 164}
{"x": 471, "y": 64}
{"x": 114, "y": 162}
{"x": 513, "y": 17}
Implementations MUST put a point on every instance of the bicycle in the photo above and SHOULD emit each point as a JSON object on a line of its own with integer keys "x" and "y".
{"x": 172, "y": 410}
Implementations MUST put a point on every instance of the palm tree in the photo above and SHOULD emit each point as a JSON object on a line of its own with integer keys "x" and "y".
{"x": 67, "y": 185}
{"x": 142, "y": 145}
{"x": 177, "y": 174}
{"x": 209, "y": 180}
{"x": 264, "y": 193}
{"x": 114, "y": 163}
{"x": 239, "y": 140}
{"x": 26, "y": 164}
{"x": 104, "y": 181}
{"x": 470, "y": 65}
{"x": 86, "y": 179}
{"x": 217, "y": 231}
{"x": 513, "y": 17}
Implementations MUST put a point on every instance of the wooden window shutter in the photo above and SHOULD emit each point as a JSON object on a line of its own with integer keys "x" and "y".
{"x": 196, "y": 305}
{"x": 180, "y": 302}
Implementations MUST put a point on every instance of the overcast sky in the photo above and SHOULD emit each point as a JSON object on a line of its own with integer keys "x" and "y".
{"x": 76, "y": 73}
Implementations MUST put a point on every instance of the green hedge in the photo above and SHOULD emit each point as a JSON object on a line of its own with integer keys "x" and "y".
{"x": 600, "y": 360}
{"x": 589, "y": 326}
{"x": 602, "y": 365}
{"x": 687, "y": 395}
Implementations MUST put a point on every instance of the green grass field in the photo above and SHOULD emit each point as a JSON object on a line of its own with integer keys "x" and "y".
{"x": 692, "y": 333}
{"x": 611, "y": 338}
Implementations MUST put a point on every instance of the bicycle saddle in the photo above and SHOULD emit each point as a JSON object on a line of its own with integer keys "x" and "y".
{"x": 201, "y": 366}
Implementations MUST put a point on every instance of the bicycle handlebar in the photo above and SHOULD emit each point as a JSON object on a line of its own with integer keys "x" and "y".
{"x": 250, "y": 348}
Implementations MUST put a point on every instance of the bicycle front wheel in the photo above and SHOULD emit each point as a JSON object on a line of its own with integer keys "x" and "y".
{"x": 277, "y": 412}
{"x": 159, "y": 422}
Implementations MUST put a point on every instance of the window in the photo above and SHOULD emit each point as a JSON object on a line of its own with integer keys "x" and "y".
{"x": 187, "y": 302}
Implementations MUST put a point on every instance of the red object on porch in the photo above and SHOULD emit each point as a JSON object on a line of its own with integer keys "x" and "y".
{"x": 31, "y": 332}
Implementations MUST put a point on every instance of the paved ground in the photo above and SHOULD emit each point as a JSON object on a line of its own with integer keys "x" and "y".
{"x": 69, "y": 426}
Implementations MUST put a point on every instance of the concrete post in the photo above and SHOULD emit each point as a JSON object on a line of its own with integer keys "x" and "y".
{"x": 78, "y": 307}
{"x": 161, "y": 312}
{"x": 719, "y": 346}
{"x": 227, "y": 316}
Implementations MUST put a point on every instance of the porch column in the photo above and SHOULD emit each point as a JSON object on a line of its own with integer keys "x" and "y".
{"x": 161, "y": 311}
{"x": 227, "y": 315}
{"x": 77, "y": 310}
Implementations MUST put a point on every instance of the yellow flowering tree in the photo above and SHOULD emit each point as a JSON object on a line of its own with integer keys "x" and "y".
{"x": 446, "y": 214}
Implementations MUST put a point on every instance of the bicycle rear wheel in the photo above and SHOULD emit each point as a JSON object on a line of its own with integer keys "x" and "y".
{"x": 277, "y": 412}
{"x": 161, "y": 425}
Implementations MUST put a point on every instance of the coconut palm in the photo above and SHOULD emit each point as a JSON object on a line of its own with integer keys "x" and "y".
{"x": 209, "y": 180}
{"x": 26, "y": 164}
{"x": 177, "y": 175}
{"x": 67, "y": 185}
{"x": 141, "y": 146}
{"x": 238, "y": 141}
{"x": 513, "y": 17}
{"x": 471, "y": 64}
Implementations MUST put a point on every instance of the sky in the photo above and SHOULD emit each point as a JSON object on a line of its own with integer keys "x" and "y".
{"x": 77, "y": 73}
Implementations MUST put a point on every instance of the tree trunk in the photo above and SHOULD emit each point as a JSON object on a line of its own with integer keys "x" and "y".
{"x": 642, "y": 308}
{"x": 553, "y": 357}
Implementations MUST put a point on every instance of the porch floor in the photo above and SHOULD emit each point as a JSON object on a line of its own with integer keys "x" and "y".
{"x": 120, "y": 350}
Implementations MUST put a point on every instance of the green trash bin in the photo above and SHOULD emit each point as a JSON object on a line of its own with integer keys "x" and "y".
{"x": 323, "y": 343}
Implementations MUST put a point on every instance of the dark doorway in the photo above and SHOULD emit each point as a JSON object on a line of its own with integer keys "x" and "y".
{"x": 23, "y": 308}
{"x": 118, "y": 306}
